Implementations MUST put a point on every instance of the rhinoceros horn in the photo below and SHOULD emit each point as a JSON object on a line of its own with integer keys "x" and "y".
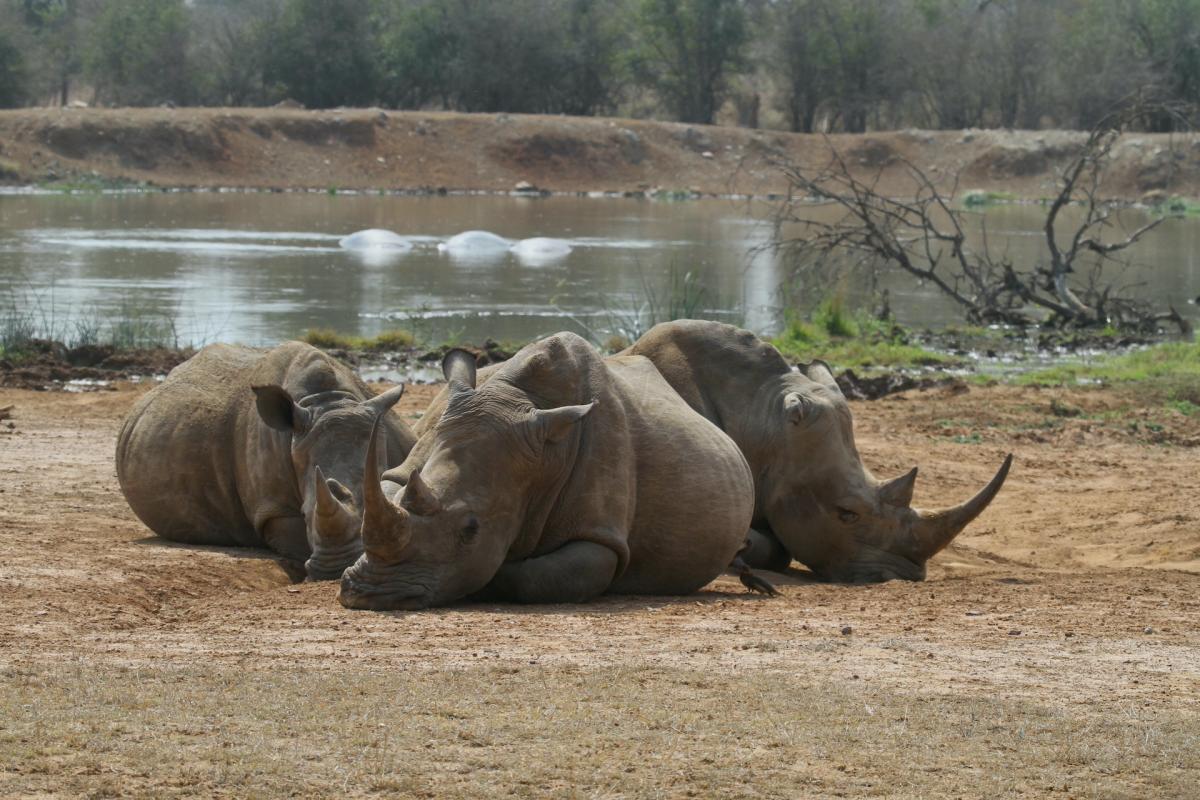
{"x": 333, "y": 518}
{"x": 385, "y": 526}
{"x": 383, "y": 402}
{"x": 934, "y": 530}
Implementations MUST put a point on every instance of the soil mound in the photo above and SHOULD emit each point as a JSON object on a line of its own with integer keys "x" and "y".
{"x": 287, "y": 148}
{"x": 51, "y": 365}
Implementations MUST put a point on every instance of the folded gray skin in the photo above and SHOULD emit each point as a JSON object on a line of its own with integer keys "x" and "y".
{"x": 253, "y": 448}
{"x": 564, "y": 476}
{"x": 815, "y": 501}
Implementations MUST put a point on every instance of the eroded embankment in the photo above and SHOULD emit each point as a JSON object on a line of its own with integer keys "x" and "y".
{"x": 432, "y": 151}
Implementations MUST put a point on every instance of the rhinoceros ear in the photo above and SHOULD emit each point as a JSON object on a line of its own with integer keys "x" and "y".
{"x": 899, "y": 491}
{"x": 459, "y": 365}
{"x": 820, "y": 372}
{"x": 418, "y": 497}
{"x": 280, "y": 411}
{"x": 556, "y": 423}
{"x": 382, "y": 403}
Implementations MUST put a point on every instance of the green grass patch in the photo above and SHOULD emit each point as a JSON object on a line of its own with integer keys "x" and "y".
{"x": 1169, "y": 372}
{"x": 9, "y": 170}
{"x": 848, "y": 340}
{"x": 976, "y": 198}
{"x": 1179, "y": 206}
{"x": 329, "y": 339}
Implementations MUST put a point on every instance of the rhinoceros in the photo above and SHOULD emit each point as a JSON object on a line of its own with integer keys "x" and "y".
{"x": 814, "y": 499}
{"x": 254, "y": 448}
{"x": 564, "y": 476}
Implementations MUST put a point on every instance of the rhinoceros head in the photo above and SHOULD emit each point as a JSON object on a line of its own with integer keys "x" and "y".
{"x": 328, "y": 440}
{"x": 448, "y": 532}
{"x": 832, "y": 514}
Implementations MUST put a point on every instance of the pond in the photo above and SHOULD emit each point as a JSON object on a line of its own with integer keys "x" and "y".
{"x": 260, "y": 267}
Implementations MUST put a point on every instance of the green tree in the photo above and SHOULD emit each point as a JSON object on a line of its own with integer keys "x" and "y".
{"x": 137, "y": 52}
{"x": 533, "y": 56}
{"x": 230, "y": 42}
{"x": 802, "y": 58}
{"x": 323, "y": 54}
{"x": 1168, "y": 37}
{"x": 14, "y": 77}
{"x": 686, "y": 50}
{"x": 58, "y": 32}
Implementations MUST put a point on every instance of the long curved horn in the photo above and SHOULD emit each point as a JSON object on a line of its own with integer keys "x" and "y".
{"x": 934, "y": 530}
{"x": 459, "y": 365}
{"x": 334, "y": 520}
{"x": 385, "y": 528}
{"x": 383, "y": 402}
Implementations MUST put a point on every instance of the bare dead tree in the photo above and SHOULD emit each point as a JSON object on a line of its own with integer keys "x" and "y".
{"x": 927, "y": 236}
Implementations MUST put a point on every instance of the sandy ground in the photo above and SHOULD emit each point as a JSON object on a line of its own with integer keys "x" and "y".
{"x": 1054, "y": 650}
{"x": 366, "y": 149}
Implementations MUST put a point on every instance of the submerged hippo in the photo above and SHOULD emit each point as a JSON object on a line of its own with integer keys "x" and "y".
{"x": 254, "y": 448}
{"x": 375, "y": 239}
{"x": 564, "y": 476}
{"x": 815, "y": 500}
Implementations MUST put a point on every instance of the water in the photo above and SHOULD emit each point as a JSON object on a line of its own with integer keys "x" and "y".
{"x": 261, "y": 268}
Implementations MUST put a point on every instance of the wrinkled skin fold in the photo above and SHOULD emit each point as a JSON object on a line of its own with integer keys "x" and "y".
{"x": 253, "y": 448}
{"x": 815, "y": 501}
{"x": 561, "y": 477}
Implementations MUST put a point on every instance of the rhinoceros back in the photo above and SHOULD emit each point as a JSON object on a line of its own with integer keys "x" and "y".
{"x": 182, "y": 451}
{"x": 695, "y": 493}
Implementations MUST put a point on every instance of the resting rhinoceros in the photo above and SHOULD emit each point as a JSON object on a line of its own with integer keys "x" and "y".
{"x": 257, "y": 448}
{"x": 813, "y": 494}
{"x": 565, "y": 475}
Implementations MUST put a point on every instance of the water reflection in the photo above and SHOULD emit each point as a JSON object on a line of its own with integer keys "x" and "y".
{"x": 261, "y": 268}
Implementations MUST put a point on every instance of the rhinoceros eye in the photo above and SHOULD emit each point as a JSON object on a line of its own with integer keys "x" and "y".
{"x": 846, "y": 515}
{"x": 471, "y": 528}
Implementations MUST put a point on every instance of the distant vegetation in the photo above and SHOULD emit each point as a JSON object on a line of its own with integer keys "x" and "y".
{"x": 1170, "y": 370}
{"x": 804, "y": 65}
{"x": 844, "y": 340}
{"x": 388, "y": 341}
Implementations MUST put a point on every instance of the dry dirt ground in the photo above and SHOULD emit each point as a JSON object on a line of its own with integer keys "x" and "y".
{"x": 373, "y": 149}
{"x": 1053, "y": 652}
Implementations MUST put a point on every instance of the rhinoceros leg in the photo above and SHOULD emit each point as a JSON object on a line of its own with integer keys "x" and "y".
{"x": 574, "y": 573}
{"x": 764, "y": 551}
{"x": 287, "y": 537}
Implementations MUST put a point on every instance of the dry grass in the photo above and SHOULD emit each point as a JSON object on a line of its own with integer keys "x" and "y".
{"x": 564, "y": 731}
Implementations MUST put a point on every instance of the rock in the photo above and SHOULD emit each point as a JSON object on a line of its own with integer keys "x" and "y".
{"x": 1147, "y": 629}
{"x": 1014, "y": 632}
{"x": 524, "y": 186}
{"x": 847, "y": 630}
{"x": 694, "y": 139}
{"x": 707, "y": 154}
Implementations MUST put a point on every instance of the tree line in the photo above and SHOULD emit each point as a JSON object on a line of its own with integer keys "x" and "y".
{"x": 803, "y": 65}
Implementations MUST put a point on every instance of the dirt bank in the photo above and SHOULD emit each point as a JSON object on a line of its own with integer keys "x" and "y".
{"x": 426, "y": 151}
{"x": 1054, "y": 651}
